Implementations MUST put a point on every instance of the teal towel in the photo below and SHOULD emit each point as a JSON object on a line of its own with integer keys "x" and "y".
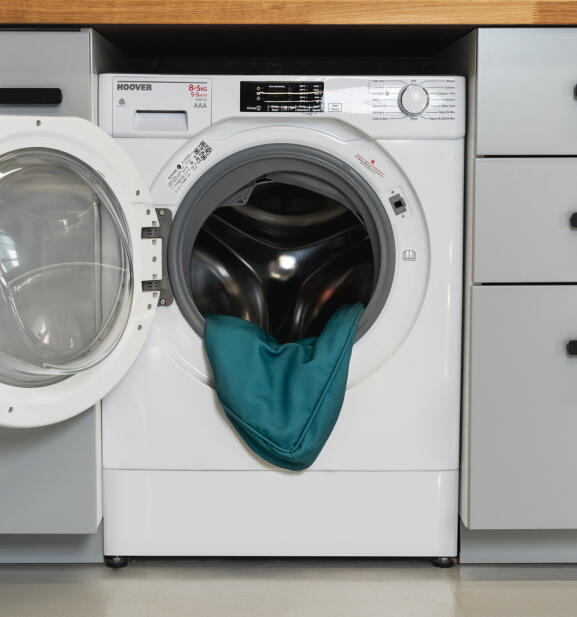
{"x": 283, "y": 400}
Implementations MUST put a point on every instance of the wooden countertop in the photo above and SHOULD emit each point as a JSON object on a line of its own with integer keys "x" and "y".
{"x": 393, "y": 12}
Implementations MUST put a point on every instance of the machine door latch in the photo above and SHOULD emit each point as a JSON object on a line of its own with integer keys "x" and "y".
{"x": 151, "y": 232}
{"x": 160, "y": 232}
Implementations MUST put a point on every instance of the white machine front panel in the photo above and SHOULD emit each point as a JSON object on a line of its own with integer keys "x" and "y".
{"x": 173, "y": 463}
{"x": 404, "y": 416}
{"x": 383, "y": 107}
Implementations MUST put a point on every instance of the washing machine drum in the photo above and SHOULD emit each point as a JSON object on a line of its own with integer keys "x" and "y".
{"x": 281, "y": 236}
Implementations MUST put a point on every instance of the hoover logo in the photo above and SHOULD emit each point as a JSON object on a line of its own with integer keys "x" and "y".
{"x": 133, "y": 86}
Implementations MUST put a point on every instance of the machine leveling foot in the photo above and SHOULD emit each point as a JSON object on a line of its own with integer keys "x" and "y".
{"x": 443, "y": 562}
{"x": 115, "y": 561}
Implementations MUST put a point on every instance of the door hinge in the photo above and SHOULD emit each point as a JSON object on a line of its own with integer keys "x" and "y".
{"x": 161, "y": 232}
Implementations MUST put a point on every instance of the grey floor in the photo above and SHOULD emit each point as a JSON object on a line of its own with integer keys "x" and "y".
{"x": 275, "y": 588}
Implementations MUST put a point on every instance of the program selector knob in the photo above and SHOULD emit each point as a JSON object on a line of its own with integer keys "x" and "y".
{"x": 413, "y": 100}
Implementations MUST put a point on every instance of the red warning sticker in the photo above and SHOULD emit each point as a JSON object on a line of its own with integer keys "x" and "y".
{"x": 369, "y": 164}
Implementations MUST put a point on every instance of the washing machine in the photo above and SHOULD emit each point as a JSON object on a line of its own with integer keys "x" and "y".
{"x": 274, "y": 199}
{"x": 282, "y": 198}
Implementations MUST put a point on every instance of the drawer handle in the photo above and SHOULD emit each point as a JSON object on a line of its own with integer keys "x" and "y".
{"x": 571, "y": 348}
{"x": 573, "y": 220}
{"x": 30, "y": 96}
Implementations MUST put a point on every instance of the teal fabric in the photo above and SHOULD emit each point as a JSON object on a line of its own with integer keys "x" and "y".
{"x": 283, "y": 400}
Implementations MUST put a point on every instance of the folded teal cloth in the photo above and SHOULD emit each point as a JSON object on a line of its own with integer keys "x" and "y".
{"x": 283, "y": 400}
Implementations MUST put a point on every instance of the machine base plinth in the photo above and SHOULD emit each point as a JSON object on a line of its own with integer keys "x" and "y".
{"x": 423, "y": 521}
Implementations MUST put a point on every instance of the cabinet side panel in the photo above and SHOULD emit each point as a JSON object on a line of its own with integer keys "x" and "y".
{"x": 461, "y": 59}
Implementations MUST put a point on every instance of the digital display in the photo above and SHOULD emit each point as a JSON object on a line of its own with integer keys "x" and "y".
{"x": 281, "y": 96}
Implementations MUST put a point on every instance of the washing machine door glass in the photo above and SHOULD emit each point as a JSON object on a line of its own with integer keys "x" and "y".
{"x": 65, "y": 268}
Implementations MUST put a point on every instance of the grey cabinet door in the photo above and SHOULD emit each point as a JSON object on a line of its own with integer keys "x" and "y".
{"x": 525, "y": 96}
{"x": 50, "y": 478}
{"x": 32, "y": 59}
{"x": 523, "y": 408}
{"x": 522, "y": 230}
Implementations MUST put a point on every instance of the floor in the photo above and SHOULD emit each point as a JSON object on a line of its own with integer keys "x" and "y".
{"x": 278, "y": 588}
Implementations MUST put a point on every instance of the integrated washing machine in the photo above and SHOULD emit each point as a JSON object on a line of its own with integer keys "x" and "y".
{"x": 273, "y": 199}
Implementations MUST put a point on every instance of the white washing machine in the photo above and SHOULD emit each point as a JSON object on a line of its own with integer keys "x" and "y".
{"x": 274, "y": 199}
{"x": 389, "y": 152}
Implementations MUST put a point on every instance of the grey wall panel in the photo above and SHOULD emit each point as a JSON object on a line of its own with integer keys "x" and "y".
{"x": 48, "y": 60}
{"x": 522, "y": 213}
{"x": 70, "y": 548}
{"x": 523, "y": 408}
{"x": 526, "y": 78}
{"x": 49, "y": 478}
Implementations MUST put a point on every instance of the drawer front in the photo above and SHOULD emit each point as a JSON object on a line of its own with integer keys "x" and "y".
{"x": 50, "y": 478}
{"x": 523, "y": 406}
{"x": 525, "y": 101}
{"x": 522, "y": 224}
{"x": 48, "y": 60}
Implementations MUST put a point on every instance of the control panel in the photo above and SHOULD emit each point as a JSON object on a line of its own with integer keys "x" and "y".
{"x": 383, "y": 107}
{"x": 381, "y": 98}
{"x": 393, "y": 98}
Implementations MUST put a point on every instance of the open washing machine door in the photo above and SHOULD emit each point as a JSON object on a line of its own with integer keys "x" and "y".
{"x": 80, "y": 263}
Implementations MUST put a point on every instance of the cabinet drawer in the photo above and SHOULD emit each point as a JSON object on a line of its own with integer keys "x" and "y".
{"x": 525, "y": 98}
{"x": 48, "y": 60}
{"x": 523, "y": 409}
{"x": 50, "y": 477}
{"x": 522, "y": 221}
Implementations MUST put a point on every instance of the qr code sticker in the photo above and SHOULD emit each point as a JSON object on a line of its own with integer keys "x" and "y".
{"x": 202, "y": 151}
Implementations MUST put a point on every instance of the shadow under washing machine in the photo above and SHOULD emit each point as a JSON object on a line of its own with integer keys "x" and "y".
{"x": 289, "y": 197}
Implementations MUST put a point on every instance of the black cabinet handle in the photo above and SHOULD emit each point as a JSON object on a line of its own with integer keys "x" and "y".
{"x": 573, "y": 220}
{"x": 30, "y": 96}
{"x": 571, "y": 348}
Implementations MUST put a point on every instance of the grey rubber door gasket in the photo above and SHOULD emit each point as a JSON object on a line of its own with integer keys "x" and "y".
{"x": 301, "y": 165}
